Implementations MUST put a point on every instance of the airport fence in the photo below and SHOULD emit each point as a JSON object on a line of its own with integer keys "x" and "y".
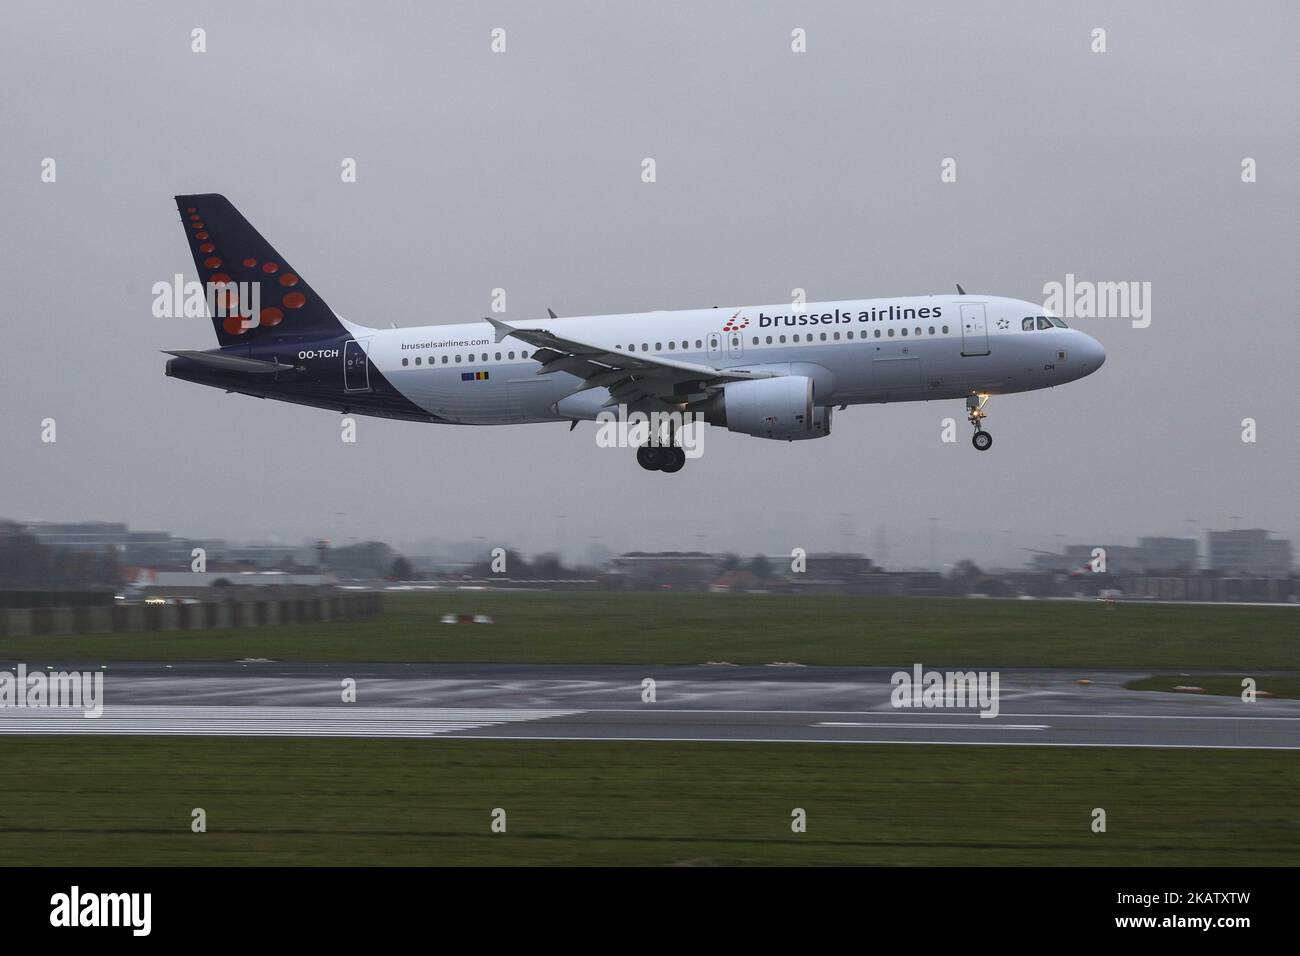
{"x": 202, "y": 615}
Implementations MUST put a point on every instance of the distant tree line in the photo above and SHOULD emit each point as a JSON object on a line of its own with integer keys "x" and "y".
{"x": 25, "y": 562}
{"x": 368, "y": 559}
{"x": 543, "y": 567}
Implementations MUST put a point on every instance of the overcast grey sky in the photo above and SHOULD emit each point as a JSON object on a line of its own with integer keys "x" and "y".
{"x": 776, "y": 170}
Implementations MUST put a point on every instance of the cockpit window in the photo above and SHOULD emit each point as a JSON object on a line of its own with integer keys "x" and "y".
{"x": 1043, "y": 323}
{"x": 1027, "y": 325}
{"x": 1058, "y": 323}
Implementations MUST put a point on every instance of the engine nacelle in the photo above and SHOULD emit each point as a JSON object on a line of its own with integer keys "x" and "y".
{"x": 780, "y": 408}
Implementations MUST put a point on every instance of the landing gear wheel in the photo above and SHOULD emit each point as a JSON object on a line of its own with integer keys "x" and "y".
{"x": 674, "y": 458}
{"x": 650, "y": 457}
{"x": 975, "y": 414}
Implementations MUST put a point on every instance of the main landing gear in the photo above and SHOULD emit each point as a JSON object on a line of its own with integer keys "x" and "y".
{"x": 667, "y": 458}
{"x": 982, "y": 440}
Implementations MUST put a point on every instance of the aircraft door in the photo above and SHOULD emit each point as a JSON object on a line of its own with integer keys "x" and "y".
{"x": 356, "y": 366}
{"x": 974, "y": 330}
{"x": 735, "y": 345}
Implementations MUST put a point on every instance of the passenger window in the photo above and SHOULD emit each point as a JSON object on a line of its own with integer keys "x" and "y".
{"x": 444, "y": 360}
{"x": 945, "y": 330}
{"x": 672, "y": 346}
{"x": 918, "y": 330}
{"x": 510, "y": 355}
{"x": 877, "y": 333}
{"x": 904, "y": 331}
{"x": 458, "y": 357}
{"x": 659, "y": 346}
{"x": 1027, "y": 325}
{"x": 498, "y": 356}
{"x": 686, "y": 345}
{"x": 699, "y": 343}
{"x": 1043, "y": 323}
{"x": 848, "y": 334}
{"x": 932, "y": 330}
{"x": 783, "y": 340}
{"x": 756, "y": 340}
{"x": 837, "y": 336}
{"x": 796, "y": 338}
{"x": 891, "y": 333}
{"x": 523, "y": 355}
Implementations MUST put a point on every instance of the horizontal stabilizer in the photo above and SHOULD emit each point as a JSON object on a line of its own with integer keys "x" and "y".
{"x": 231, "y": 363}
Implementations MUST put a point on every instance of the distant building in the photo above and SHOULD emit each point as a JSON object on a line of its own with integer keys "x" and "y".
{"x": 680, "y": 569}
{"x": 1168, "y": 554}
{"x": 1250, "y": 551}
{"x": 160, "y": 549}
{"x": 151, "y": 548}
{"x": 1150, "y": 554}
{"x": 830, "y": 573}
{"x": 267, "y": 555}
{"x": 839, "y": 566}
{"x": 79, "y": 535}
{"x": 208, "y": 579}
{"x": 219, "y": 585}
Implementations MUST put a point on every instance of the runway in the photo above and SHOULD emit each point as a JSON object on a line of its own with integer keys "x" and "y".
{"x": 788, "y": 704}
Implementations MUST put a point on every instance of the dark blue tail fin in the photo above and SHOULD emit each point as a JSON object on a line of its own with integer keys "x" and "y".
{"x": 227, "y": 249}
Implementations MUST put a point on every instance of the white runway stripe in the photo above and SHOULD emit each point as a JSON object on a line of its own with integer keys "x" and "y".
{"x": 927, "y": 724}
{"x": 341, "y": 721}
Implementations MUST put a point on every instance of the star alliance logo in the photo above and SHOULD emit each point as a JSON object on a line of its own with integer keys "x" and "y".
{"x": 1003, "y": 323}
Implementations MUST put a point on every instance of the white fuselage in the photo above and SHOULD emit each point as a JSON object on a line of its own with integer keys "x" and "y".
{"x": 860, "y": 351}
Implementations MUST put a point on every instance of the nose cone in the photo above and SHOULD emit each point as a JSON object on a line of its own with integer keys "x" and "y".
{"x": 1093, "y": 355}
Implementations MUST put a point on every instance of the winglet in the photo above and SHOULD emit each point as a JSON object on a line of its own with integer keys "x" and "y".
{"x": 551, "y": 313}
{"x": 503, "y": 330}
{"x": 960, "y": 291}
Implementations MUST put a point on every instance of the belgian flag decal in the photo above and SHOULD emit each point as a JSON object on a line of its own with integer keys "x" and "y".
{"x": 473, "y": 376}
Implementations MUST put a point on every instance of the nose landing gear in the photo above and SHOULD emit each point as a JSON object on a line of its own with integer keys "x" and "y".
{"x": 982, "y": 440}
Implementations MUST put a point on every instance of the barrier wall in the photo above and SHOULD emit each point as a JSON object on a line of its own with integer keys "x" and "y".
{"x": 127, "y": 618}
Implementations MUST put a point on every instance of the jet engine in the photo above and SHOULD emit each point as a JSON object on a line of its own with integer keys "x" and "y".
{"x": 780, "y": 408}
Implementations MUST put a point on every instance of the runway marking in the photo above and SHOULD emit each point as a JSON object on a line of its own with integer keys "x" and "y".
{"x": 344, "y": 720}
{"x": 668, "y": 709}
{"x": 927, "y": 724}
{"x": 850, "y": 743}
{"x": 339, "y": 721}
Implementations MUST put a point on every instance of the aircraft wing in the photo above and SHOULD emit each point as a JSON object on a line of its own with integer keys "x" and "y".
{"x": 629, "y": 377}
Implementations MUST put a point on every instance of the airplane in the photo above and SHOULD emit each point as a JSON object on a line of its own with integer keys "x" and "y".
{"x": 771, "y": 371}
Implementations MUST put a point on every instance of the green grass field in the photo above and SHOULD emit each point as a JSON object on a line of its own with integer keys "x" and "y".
{"x": 534, "y": 627}
{"x": 116, "y": 801}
